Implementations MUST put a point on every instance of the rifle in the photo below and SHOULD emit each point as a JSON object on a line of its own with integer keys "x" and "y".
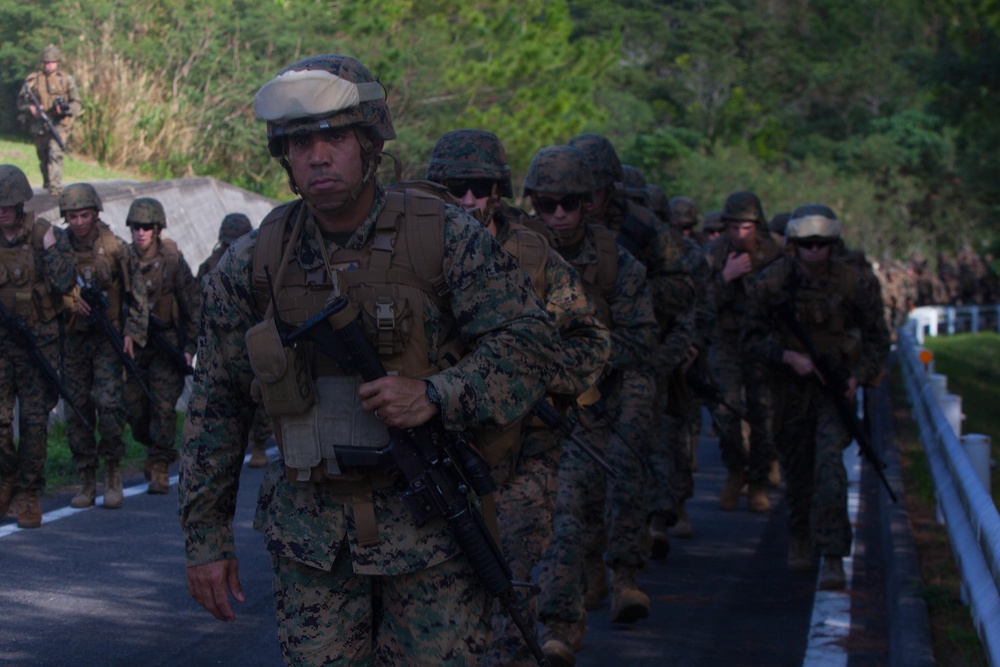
{"x": 438, "y": 470}
{"x": 99, "y": 305}
{"x": 19, "y": 332}
{"x": 45, "y": 119}
{"x": 156, "y": 335}
{"x": 705, "y": 390}
{"x": 553, "y": 420}
{"x": 834, "y": 385}
{"x": 598, "y": 410}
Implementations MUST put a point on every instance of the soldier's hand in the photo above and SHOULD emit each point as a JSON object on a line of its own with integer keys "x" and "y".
{"x": 82, "y": 307}
{"x": 49, "y": 239}
{"x": 852, "y": 388}
{"x": 211, "y": 584}
{"x": 737, "y": 264}
{"x": 34, "y": 110}
{"x": 398, "y": 401}
{"x": 802, "y": 364}
{"x": 128, "y": 346}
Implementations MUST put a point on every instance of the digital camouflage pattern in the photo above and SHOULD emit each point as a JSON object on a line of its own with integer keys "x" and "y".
{"x": 146, "y": 211}
{"x": 580, "y": 488}
{"x": 683, "y": 212}
{"x": 713, "y": 222}
{"x": 489, "y": 300}
{"x": 77, "y": 197}
{"x": 602, "y": 158}
{"x": 20, "y": 378}
{"x": 14, "y": 186}
{"x": 658, "y": 202}
{"x": 559, "y": 170}
{"x": 842, "y": 312}
{"x": 744, "y": 206}
{"x": 49, "y": 89}
{"x": 526, "y": 500}
{"x": 233, "y": 226}
{"x": 51, "y": 54}
{"x": 154, "y": 423}
{"x": 470, "y": 155}
{"x": 635, "y": 185}
{"x": 94, "y": 372}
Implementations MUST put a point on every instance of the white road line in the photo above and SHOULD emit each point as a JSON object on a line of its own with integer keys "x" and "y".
{"x": 830, "y": 624}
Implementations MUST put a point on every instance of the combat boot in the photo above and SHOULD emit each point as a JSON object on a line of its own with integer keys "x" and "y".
{"x": 113, "y": 496}
{"x": 88, "y": 490}
{"x": 799, "y": 555}
{"x": 831, "y": 577}
{"x": 774, "y": 476}
{"x": 558, "y": 653}
{"x": 732, "y": 489}
{"x": 628, "y": 603}
{"x": 659, "y": 540}
{"x": 159, "y": 479}
{"x": 29, "y": 514}
{"x": 561, "y": 640}
{"x": 258, "y": 454}
{"x": 597, "y": 583}
{"x": 6, "y": 494}
{"x": 757, "y": 499}
{"x": 682, "y": 528}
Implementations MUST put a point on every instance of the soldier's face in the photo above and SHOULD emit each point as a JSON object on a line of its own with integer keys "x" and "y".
{"x": 50, "y": 68}
{"x": 813, "y": 252}
{"x": 743, "y": 234}
{"x": 81, "y": 222}
{"x": 327, "y": 166}
{"x": 8, "y": 219}
{"x": 144, "y": 236}
{"x": 562, "y": 213}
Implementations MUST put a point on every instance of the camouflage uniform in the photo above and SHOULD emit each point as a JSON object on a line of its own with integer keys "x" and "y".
{"x": 616, "y": 282}
{"x": 33, "y": 280}
{"x": 742, "y": 382}
{"x": 659, "y": 249}
{"x": 233, "y": 226}
{"x": 60, "y": 101}
{"x": 409, "y": 596}
{"x": 94, "y": 371}
{"x": 175, "y": 301}
{"x": 526, "y": 498}
{"x": 842, "y": 312}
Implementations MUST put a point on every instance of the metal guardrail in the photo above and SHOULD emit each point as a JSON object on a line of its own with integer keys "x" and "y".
{"x": 950, "y": 320}
{"x": 970, "y": 515}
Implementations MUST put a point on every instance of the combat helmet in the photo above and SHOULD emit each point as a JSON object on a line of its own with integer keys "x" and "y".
{"x": 146, "y": 211}
{"x": 602, "y": 157}
{"x": 51, "y": 54}
{"x": 813, "y": 222}
{"x": 78, "y": 196}
{"x": 470, "y": 155}
{"x": 658, "y": 202}
{"x": 233, "y": 226}
{"x": 683, "y": 212}
{"x": 779, "y": 223}
{"x": 713, "y": 222}
{"x": 14, "y": 187}
{"x": 744, "y": 206}
{"x": 561, "y": 170}
{"x": 635, "y": 185}
{"x": 322, "y": 92}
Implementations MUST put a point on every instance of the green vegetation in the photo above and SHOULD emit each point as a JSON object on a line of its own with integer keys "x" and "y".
{"x": 883, "y": 109}
{"x": 21, "y": 153}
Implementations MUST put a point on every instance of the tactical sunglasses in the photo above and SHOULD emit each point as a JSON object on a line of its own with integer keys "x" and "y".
{"x": 548, "y": 206}
{"x": 814, "y": 244}
{"x": 480, "y": 188}
{"x": 142, "y": 226}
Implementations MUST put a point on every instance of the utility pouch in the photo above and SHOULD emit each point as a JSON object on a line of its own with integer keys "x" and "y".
{"x": 47, "y": 305}
{"x": 286, "y": 383}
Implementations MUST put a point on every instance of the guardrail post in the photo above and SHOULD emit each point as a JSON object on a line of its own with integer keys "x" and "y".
{"x": 977, "y": 448}
{"x": 951, "y": 406}
{"x": 938, "y": 384}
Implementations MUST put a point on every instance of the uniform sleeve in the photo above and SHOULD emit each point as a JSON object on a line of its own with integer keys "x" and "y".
{"x": 759, "y": 335}
{"x": 875, "y": 336}
{"x": 514, "y": 346}
{"x": 585, "y": 343}
{"x": 59, "y": 264}
{"x": 672, "y": 287}
{"x": 634, "y": 332}
{"x": 73, "y": 96}
{"x": 23, "y": 98}
{"x": 136, "y": 305}
{"x": 219, "y": 411}
{"x": 188, "y": 297}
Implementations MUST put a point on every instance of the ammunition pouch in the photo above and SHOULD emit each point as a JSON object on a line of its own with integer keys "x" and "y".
{"x": 286, "y": 384}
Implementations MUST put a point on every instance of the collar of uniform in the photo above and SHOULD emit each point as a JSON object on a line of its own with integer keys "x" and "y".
{"x": 310, "y": 254}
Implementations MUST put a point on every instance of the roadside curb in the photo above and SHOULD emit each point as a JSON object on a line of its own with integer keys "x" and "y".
{"x": 909, "y": 622}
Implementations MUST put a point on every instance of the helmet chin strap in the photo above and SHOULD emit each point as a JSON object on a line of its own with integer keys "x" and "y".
{"x": 369, "y": 159}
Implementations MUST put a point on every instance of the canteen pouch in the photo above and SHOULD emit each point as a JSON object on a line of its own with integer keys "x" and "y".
{"x": 286, "y": 382}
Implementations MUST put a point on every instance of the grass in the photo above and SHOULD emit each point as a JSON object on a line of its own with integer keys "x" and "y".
{"x": 972, "y": 364}
{"x": 21, "y": 154}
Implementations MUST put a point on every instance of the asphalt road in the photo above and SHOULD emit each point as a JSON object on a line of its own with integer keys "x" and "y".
{"x": 106, "y": 588}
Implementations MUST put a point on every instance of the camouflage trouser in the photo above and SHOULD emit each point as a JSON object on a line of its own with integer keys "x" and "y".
{"x": 670, "y": 460}
{"x": 50, "y": 158}
{"x": 262, "y": 427}
{"x": 154, "y": 423}
{"x": 94, "y": 379}
{"x": 525, "y": 504}
{"x": 811, "y": 439}
{"x": 593, "y": 513}
{"x": 432, "y": 617}
{"x": 746, "y": 386}
{"x": 20, "y": 379}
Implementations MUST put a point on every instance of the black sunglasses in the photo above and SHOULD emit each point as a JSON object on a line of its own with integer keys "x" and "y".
{"x": 480, "y": 188}
{"x": 548, "y": 205}
{"x": 815, "y": 244}
{"x": 142, "y": 226}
